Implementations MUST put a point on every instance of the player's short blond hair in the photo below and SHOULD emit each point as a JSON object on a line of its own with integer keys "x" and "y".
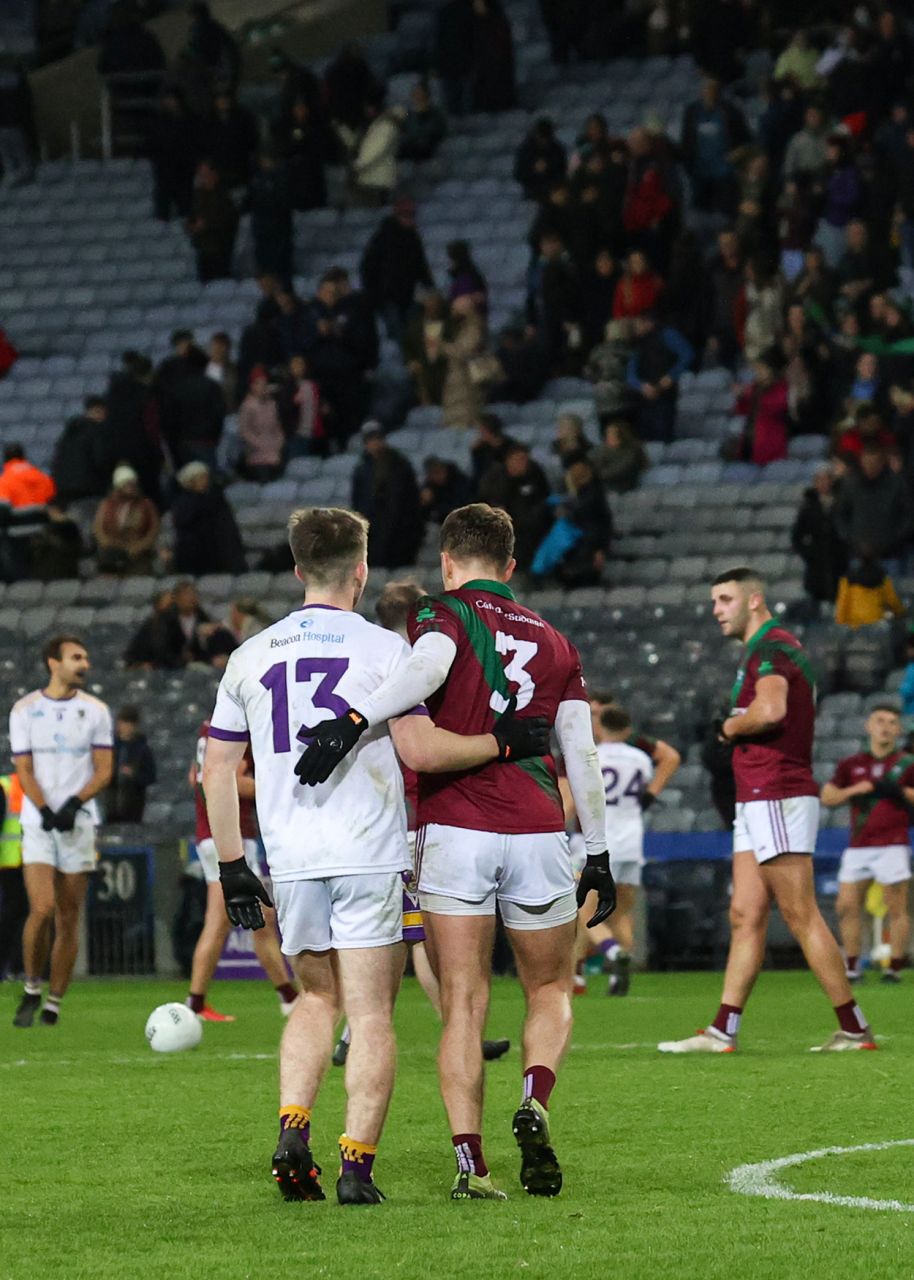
{"x": 479, "y": 532}
{"x": 327, "y": 543}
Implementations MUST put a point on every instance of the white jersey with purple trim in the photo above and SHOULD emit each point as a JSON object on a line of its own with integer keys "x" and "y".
{"x": 59, "y": 734}
{"x": 626, "y": 772}
{"x": 310, "y": 667}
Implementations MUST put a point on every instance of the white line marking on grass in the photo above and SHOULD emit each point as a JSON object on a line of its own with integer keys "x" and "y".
{"x": 134, "y": 1060}
{"x": 761, "y": 1179}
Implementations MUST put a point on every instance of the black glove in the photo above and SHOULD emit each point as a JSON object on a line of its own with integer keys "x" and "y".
{"x": 329, "y": 743}
{"x": 65, "y": 817}
{"x": 646, "y": 799}
{"x": 243, "y": 893}
{"x": 518, "y": 739}
{"x": 717, "y": 728}
{"x": 886, "y": 789}
{"x": 597, "y": 875}
{"x": 48, "y": 818}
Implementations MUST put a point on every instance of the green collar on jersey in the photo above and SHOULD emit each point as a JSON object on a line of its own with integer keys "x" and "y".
{"x": 489, "y": 584}
{"x": 752, "y": 645}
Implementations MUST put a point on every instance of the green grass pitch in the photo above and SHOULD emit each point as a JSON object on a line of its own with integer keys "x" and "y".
{"x": 118, "y": 1162}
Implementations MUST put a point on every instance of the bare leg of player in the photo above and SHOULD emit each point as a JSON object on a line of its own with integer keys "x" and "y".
{"x": 849, "y": 907}
{"x": 426, "y": 975}
{"x": 36, "y": 933}
{"x": 789, "y": 878}
{"x": 71, "y": 894}
{"x": 304, "y": 1055}
{"x": 266, "y": 948}
{"x": 216, "y": 928}
{"x": 896, "y": 901}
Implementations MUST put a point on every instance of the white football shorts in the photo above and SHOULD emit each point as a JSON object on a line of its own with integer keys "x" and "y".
{"x": 70, "y": 852}
{"x": 886, "y": 864}
{"x": 625, "y": 871}
{"x": 209, "y": 858}
{"x": 465, "y": 872}
{"x": 768, "y": 828}
{"x": 340, "y": 912}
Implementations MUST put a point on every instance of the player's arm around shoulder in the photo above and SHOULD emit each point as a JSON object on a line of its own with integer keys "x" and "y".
{"x": 425, "y": 748}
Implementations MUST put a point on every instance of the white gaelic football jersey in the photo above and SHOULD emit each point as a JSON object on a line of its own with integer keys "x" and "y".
{"x": 310, "y": 667}
{"x": 59, "y": 734}
{"x": 626, "y": 772}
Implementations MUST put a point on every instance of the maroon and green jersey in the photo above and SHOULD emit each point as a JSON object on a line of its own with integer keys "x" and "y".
{"x": 876, "y": 822}
{"x": 642, "y": 742}
{"x": 502, "y": 649}
{"x": 779, "y": 764}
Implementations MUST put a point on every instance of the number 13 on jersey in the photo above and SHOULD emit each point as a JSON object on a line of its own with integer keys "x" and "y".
{"x": 322, "y": 675}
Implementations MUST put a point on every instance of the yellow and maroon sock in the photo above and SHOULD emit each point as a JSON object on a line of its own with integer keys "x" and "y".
{"x": 356, "y": 1157}
{"x": 468, "y": 1150}
{"x": 296, "y": 1117}
{"x": 538, "y": 1084}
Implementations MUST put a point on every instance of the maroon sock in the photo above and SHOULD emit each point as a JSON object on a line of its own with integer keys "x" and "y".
{"x": 538, "y": 1083}
{"x": 286, "y": 992}
{"x": 728, "y": 1019}
{"x": 897, "y": 963}
{"x": 850, "y": 1018}
{"x": 195, "y": 1002}
{"x": 851, "y": 963}
{"x": 468, "y": 1150}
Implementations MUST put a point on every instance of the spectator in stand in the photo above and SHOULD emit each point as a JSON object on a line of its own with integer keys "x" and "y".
{"x": 213, "y": 225}
{"x": 763, "y": 404}
{"x": 464, "y": 347}
{"x": 621, "y": 460}
{"x": 755, "y": 210}
{"x": 570, "y": 440}
{"x": 815, "y": 539}
{"x": 763, "y": 300}
{"x": 134, "y": 423}
{"x": 554, "y": 303}
{"x": 308, "y": 146}
{"x": 211, "y": 47}
{"x": 726, "y": 284}
{"x": 519, "y": 485}
{"x": 172, "y": 148}
{"x": 348, "y": 86}
{"x": 866, "y": 593}
{"x": 712, "y": 129}
{"x": 466, "y": 278}
{"x": 843, "y": 198}
{"x": 540, "y": 161}
{"x": 394, "y": 265}
{"x": 17, "y": 130}
{"x": 863, "y": 426}
{"x": 126, "y": 527}
{"x": 796, "y": 223}
{"x": 861, "y": 269}
{"x": 261, "y": 432}
{"x": 607, "y": 369}
{"x": 196, "y": 413}
{"x": 222, "y": 370}
{"x": 219, "y": 640}
{"x": 807, "y": 151}
{"x": 373, "y": 155}
{"x": 302, "y": 412}
{"x": 423, "y": 128}
{"x": 493, "y": 58}
{"x": 22, "y": 484}
{"x": 816, "y": 285}
{"x": 660, "y": 357}
{"x": 206, "y": 535}
{"x": 523, "y": 372}
{"x": 385, "y": 491}
{"x": 337, "y": 364}
{"x": 452, "y": 54}
{"x": 587, "y": 510}
{"x": 423, "y": 348}
{"x": 134, "y": 769}
{"x": 648, "y": 213}
{"x": 489, "y": 446}
{"x": 599, "y": 293}
{"x": 58, "y": 546}
{"x": 565, "y": 22}
{"x": 444, "y": 487}
{"x": 270, "y": 206}
{"x": 638, "y": 289}
{"x": 873, "y": 508}
{"x": 159, "y": 642}
{"x": 798, "y": 62}
{"x": 229, "y": 141}
{"x": 78, "y": 464}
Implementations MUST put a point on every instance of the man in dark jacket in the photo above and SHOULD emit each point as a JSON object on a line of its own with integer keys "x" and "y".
{"x": 384, "y": 490}
{"x": 213, "y": 225}
{"x": 873, "y": 508}
{"x": 519, "y": 485}
{"x": 229, "y": 139}
{"x": 133, "y": 418}
{"x": 206, "y": 535}
{"x": 134, "y": 769}
{"x": 172, "y": 145}
{"x": 444, "y": 488}
{"x": 554, "y": 300}
{"x": 394, "y": 265}
{"x": 452, "y": 55}
{"x": 815, "y": 539}
{"x": 423, "y": 128}
{"x": 79, "y": 465}
{"x": 712, "y": 128}
{"x": 540, "y": 161}
{"x": 270, "y": 204}
{"x": 490, "y": 446}
{"x": 660, "y": 358}
{"x": 197, "y": 414}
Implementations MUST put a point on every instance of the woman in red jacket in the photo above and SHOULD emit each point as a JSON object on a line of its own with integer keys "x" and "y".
{"x": 764, "y": 404}
{"x": 638, "y": 289}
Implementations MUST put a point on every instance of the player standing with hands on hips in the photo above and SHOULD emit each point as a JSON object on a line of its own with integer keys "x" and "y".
{"x": 62, "y": 743}
{"x": 336, "y": 852}
{"x": 771, "y": 724}
{"x": 492, "y": 835}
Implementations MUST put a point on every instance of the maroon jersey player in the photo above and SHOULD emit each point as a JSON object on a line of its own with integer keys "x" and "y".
{"x": 771, "y": 725}
{"x": 879, "y": 786}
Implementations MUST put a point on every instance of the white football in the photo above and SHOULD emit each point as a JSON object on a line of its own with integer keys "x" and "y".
{"x": 173, "y": 1027}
